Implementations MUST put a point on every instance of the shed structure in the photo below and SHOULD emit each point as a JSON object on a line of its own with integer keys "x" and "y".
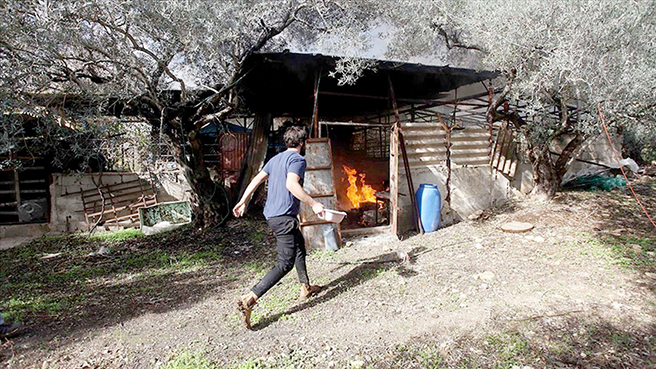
{"x": 398, "y": 126}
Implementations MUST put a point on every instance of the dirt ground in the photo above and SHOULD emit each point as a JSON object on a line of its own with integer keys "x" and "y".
{"x": 576, "y": 291}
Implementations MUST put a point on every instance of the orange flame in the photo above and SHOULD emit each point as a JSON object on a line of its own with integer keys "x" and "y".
{"x": 364, "y": 193}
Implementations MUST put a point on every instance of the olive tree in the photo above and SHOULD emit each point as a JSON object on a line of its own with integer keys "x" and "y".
{"x": 575, "y": 56}
{"x": 175, "y": 63}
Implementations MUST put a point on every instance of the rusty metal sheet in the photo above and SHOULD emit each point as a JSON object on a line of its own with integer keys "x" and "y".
{"x": 232, "y": 149}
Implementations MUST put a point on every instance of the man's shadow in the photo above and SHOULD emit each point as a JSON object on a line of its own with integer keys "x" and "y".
{"x": 365, "y": 270}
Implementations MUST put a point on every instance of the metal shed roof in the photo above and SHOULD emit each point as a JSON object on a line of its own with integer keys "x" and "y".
{"x": 284, "y": 83}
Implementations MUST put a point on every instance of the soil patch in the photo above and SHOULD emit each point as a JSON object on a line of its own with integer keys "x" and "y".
{"x": 578, "y": 290}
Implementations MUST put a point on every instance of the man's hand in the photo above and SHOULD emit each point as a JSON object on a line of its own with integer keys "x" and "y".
{"x": 294, "y": 186}
{"x": 239, "y": 209}
{"x": 318, "y": 209}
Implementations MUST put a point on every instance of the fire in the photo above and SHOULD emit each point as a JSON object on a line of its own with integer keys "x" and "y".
{"x": 355, "y": 194}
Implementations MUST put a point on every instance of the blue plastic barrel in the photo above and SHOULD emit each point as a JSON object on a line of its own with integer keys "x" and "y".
{"x": 429, "y": 202}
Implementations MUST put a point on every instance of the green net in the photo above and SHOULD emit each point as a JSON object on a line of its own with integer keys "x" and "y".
{"x": 596, "y": 182}
{"x": 172, "y": 212}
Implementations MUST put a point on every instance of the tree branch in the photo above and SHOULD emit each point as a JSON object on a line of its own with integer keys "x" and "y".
{"x": 452, "y": 40}
{"x": 135, "y": 45}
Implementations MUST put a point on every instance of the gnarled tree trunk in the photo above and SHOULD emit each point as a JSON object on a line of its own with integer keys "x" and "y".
{"x": 547, "y": 180}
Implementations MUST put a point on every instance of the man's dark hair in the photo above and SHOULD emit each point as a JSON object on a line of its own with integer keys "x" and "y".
{"x": 295, "y": 135}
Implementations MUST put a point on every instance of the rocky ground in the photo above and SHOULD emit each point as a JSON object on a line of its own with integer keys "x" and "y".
{"x": 576, "y": 291}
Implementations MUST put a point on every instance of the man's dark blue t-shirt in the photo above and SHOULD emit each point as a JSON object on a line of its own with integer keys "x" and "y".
{"x": 279, "y": 200}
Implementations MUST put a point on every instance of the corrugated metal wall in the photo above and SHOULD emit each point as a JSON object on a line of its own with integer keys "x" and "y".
{"x": 426, "y": 145}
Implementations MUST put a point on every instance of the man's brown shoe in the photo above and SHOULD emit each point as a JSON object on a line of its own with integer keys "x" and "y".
{"x": 308, "y": 290}
{"x": 245, "y": 306}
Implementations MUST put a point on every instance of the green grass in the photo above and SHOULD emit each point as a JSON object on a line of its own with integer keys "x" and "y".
{"x": 247, "y": 364}
{"x": 322, "y": 255}
{"x": 187, "y": 359}
{"x": 423, "y": 355}
{"x": 626, "y": 250}
{"x": 506, "y": 347}
{"x": 257, "y": 237}
{"x": 117, "y": 236}
{"x": 277, "y": 300}
{"x": 56, "y": 275}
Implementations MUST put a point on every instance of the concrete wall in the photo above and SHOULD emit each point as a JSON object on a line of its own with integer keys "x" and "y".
{"x": 524, "y": 179}
{"x": 596, "y": 150}
{"x": 472, "y": 189}
{"x": 67, "y": 208}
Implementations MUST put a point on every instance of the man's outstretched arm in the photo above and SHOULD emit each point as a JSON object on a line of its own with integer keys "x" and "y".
{"x": 293, "y": 184}
{"x": 240, "y": 208}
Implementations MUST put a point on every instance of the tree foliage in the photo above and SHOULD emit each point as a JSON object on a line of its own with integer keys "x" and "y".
{"x": 153, "y": 58}
{"x": 552, "y": 53}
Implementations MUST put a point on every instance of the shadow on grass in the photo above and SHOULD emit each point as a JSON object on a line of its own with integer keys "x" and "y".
{"x": 556, "y": 342}
{"x": 623, "y": 227}
{"x": 365, "y": 270}
{"x": 58, "y": 286}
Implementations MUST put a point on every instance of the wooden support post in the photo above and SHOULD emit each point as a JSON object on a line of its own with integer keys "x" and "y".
{"x": 448, "y": 144}
{"x": 315, "y": 130}
{"x": 490, "y": 119}
{"x": 17, "y": 188}
{"x": 397, "y": 136}
{"x": 408, "y": 174}
{"x": 394, "y": 169}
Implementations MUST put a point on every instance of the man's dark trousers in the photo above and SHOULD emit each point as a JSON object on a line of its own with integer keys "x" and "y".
{"x": 291, "y": 252}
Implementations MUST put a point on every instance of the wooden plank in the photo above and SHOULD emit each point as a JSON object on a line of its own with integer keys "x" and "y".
{"x": 411, "y": 186}
{"x": 473, "y": 161}
{"x": 315, "y": 223}
{"x": 121, "y": 208}
{"x": 315, "y": 132}
{"x": 413, "y": 136}
{"x": 481, "y": 153}
{"x": 471, "y": 145}
{"x": 504, "y": 146}
{"x": 319, "y": 184}
{"x": 493, "y": 150}
{"x": 324, "y": 194}
{"x": 354, "y": 124}
{"x": 33, "y": 191}
{"x": 496, "y": 154}
{"x": 411, "y": 125}
{"x": 111, "y": 188}
{"x": 17, "y": 187}
{"x": 366, "y": 231}
{"x": 118, "y": 196}
{"x": 426, "y": 150}
{"x": 318, "y": 168}
{"x": 469, "y": 149}
{"x": 394, "y": 168}
{"x": 421, "y": 139}
{"x": 462, "y": 161}
{"x": 424, "y": 141}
